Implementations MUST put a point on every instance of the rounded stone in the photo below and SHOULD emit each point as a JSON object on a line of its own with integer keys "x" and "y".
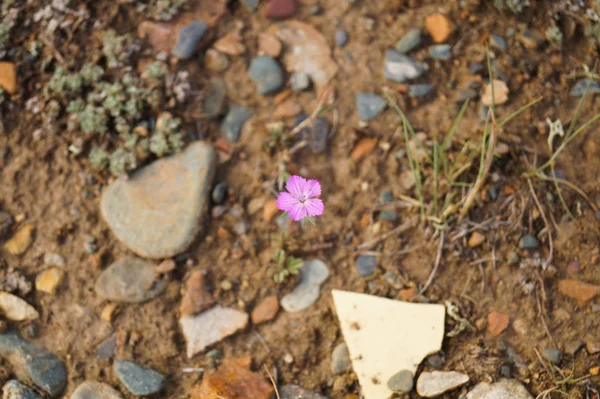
{"x": 341, "y": 37}
{"x": 232, "y": 125}
{"x": 129, "y": 280}
{"x": 402, "y": 381}
{"x": 400, "y": 68}
{"x": 219, "y": 193}
{"x": 13, "y": 389}
{"x": 95, "y": 390}
{"x": 369, "y": 105}
{"x": 340, "y": 359}
{"x": 158, "y": 211}
{"x": 409, "y": 41}
{"x": 267, "y": 74}
{"x": 138, "y": 380}
{"x": 189, "y": 37}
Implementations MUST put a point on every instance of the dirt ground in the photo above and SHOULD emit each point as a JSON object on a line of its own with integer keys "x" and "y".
{"x": 58, "y": 193}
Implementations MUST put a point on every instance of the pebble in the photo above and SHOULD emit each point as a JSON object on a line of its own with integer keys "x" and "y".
{"x": 166, "y": 266}
{"x": 476, "y": 239}
{"x": 54, "y": 259}
{"x": 106, "y": 349}
{"x": 386, "y": 197}
{"x": 219, "y": 193}
{"x": 267, "y": 74}
{"x": 498, "y": 42}
{"x": 435, "y": 361}
{"x": 369, "y": 105}
{"x": 49, "y": 280}
{"x": 313, "y": 273}
{"x": 296, "y": 392}
{"x": 33, "y": 363}
{"x": 318, "y": 134}
{"x": 8, "y": 77}
{"x": 158, "y": 211}
{"x": 280, "y": 9}
{"x": 20, "y": 241}
{"x": 95, "y": 390}
{"x": 528, "y": 242}
{"x": 216, "y": 96}
{"x": 270, "y": 209}
{"x": 214, "y": 354}
{"x": 496, "y": 323}
{"x": 502, "y": 389}
{"x": 269, "y": 45}
{"x": 363, "y": 148}
{"x": 592, "y": 86}
{"x": 340, "y": 359}
{"x": 572, "y": 347}
{"x": 215, "y": 61}
{"x": 287, "y": 109}
{"x": 300, "y": 81}
{"x": 195, "y": 298}
{"x": 230, "y": 44}
{"x": 130, "y": 280}
{"x": 400, "y": 68}
{"x": 16, "y": 309}
{"x": 233, "y": 380}
{"x": 389, "y": 216}
{"x": 211, "y": 326}
{"x": 553, "y": 355}
{"x": 13, "y": 389}
{"x": 439, "y": 26}
{"x": 189, "y": 37}
{"x": 6, "y": 222}
{"x": 232, "y": 125}
{"x": 138, "y": 380}
{"x": 266, "y": 310}
{"x": 402, "y": 381}
{"x": 365, "y": 265}
{"x": 500, "y": 93}
{"x": 341, "y": 37}
{"x": 440, "y": 51}
{"x": 531, "y": 40}
{"x": 435, "y": 383}
{"x": 580, "y": 291}
{"x": 409, "y": 41}
{"x": 251, "y": 4}
{"x": 420, "y": 90}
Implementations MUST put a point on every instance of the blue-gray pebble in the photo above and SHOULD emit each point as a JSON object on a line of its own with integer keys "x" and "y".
{"x": 528, "y": 242}
{"x": 553, "y": 355}
{"x": 219, "y": 193}
{"x": 369, "y": 105}
{"x": 251, "y": 4}
{"x": 580, "y": 87}
{"x": 267, "y": 74}
{"x": 232, "y": 125}
{"x": 420, "y": 90}
{"x": 402, "y": 381}
{"x": 365, "y": 265}
{"x": 138, "y": 380}
{"x": 440, "y": 51}
{"x": 341, "y": 37}
{"x": 498, "y": 42}
{"x": 189, "y": 37}
{"x": 409, "y": 41}
{"x": 13, "y": 389}
{"x": 400, "y": 68}
{"x": 300, "y": 81}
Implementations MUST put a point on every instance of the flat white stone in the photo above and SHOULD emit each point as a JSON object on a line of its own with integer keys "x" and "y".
{"x": 503, "y": 389}
{"x": 207, "y": 328}
{"x": 385, "y": 336}
{"x": 435, "y": 383}
{"x": 14, "y": 308}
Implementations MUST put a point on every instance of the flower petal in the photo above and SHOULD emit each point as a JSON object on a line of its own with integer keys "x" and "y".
{"x": 314, "y": 207}
{"x": 298, "y": 212}
{"x": 314, "y": 188}
{"x": 296, "y": 185}
{"x": 285, "y": 201}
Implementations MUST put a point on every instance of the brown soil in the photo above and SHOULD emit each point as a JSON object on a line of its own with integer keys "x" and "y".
{"x": 52, "y": 189}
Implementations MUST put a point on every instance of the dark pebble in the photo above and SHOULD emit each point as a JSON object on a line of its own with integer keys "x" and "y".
{"x": 528, "y": 242}
{"x": 409, "y": 41}
{"x": 365, "y": 265}
{"x": 498, "y": 42}
{"x": 13, "y": 389}
{"x": 216, "y": 95}
{"x": 267, "y": 74}
{"x": 214, "y": 354}
{"x": 5, "y": 224}
{"x": 189, "y": 37}
{"x": 251, "y": 4}
{"x": 579, "y": 89}
{"x": 106, "y": 349}
{"x": 138, "y": 380}
{"x": 231, "y": 127}
{"x": 386, "y": 196}
{"x": 440, "y": 51}
{"x": 420, "y": 90}
{"x": 505, "y": 371}
{"x": 219, "y": 193}
{"x": 435, "y": 361}
{"x": 553, "y": 355}
{"x": 319, "y": 133}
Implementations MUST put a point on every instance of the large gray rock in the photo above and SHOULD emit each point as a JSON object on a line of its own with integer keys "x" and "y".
{"x": 130, "y": 280}
{"x": 158, "y": 211}
{"x": 33, "y": 364}
{"x": 503, "y": 389}
{"x": 313, "y": 273}
{"x": 13, "y": 389}
{"x": 95, "y": 390}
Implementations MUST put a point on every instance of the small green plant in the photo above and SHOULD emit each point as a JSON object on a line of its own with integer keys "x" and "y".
{"x": 554, "y": 35}
{"x": 116, "y": 48}
{"x": 155, "y": 71}
{"x": 286, "y": 265}
{"x": 4, "y": 34}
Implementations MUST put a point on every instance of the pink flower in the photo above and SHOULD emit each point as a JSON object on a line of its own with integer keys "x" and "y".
{"x": 300, "y": 201}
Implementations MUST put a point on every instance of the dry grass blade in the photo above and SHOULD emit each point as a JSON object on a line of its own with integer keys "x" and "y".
{"x": 272, "y": 381}
{"x": 326, "y": 92}
{"x": 572, "y": 187}
{"x": 543, "y": 214}
{"x": 438, "y": 260}
{"x": 398, "y": 230}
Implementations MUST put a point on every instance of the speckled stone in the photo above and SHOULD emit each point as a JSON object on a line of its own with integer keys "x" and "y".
{"x": 139, "y": 380}
{"x": 189, "y": 37}
{"x": 267, "y": 74}
{"x": 13, "y": 389}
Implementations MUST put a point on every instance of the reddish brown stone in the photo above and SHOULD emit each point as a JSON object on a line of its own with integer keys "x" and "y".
{"x": 269, "y": 45}
{"x": 266, "y": 310}
{"x": 230, "y": 44}
{"x": 8, "y": 77}
{"x": 232, "y": 381}
{"x": 287, "y": 109}
{"x": 578, "y": 290}
{"x": 281, "y": 9}
{"x": 195, "y": 298}
{"x": 497, "y": 323}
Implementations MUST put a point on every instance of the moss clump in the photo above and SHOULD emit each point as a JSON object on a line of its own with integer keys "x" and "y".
{"x": 165, "y": 10}
{"x": 121, "y": 161}
{"x": 155, "y": 71}
{"x": 554, "y": 35}
{"x": 515, "y": 6}
{"x": 98, "y": 159}
{"x": 4, "y": 34}
{"x": 116, "y": 49}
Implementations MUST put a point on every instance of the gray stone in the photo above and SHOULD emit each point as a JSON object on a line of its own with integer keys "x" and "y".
{"x": 6, "y": 222}
{"x": 13, "y": 389}
{"x": 435, "y": 383}
{"x": 440, "y": 51}
{"x": 214, "y": 101}
{"x": 158, "y": 211}
{"x": 420, "y": 90}
{"x": 232, "y": 125}
{"x": 503, "y": 389}
{"x": 498, "y": 42}
{"x": 365, "y": 265}
{"x": 400, "y": 68}
{"x": 300, "y": 81}
{"x": 552, "y": 355}
{"x": 129, "y": 280}
{"x": 33, "y": 364}
{"x": 95, "y": 390}
{"x": 340, "y": 359}
{"x": 251, "y": 4}
{"x": 386, "y": 197}
{"x": 54, "y": 259}
{"x": 528, "y": 242}
{"x": 267, "y": 74}
{"x": 409, "y": 41}
{"x": 219, "y": 193}
{"x": 402, "y": 381}
{"x": 592, "y": 86}
{"x": 389, "y": 216}
{"x": 313, "y": 273}
{"x": 138, "y": 380}
{"x": 369, "y": 105}
{"x": 106, "y": 349}
{"x": 296, "y": 392}
{"x": 319, "y": 134}
{"x": 189, "y": 37}
{"x": 341, "y": 37}
{"x": 572, "y": 347}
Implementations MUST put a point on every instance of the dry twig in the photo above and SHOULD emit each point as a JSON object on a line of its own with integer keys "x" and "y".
{"x": 438, "y": 259}
{"x": 398, "y": 230}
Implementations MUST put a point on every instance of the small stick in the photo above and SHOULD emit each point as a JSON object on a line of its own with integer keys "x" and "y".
{"x": 314, "y": 114}
{"x": 543, "y": 214}
{"x": 438, "y": 259}
{"x": 398, "y": 230}
{"x": 318, "y": 247}
{"x": 272, "y": 381}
